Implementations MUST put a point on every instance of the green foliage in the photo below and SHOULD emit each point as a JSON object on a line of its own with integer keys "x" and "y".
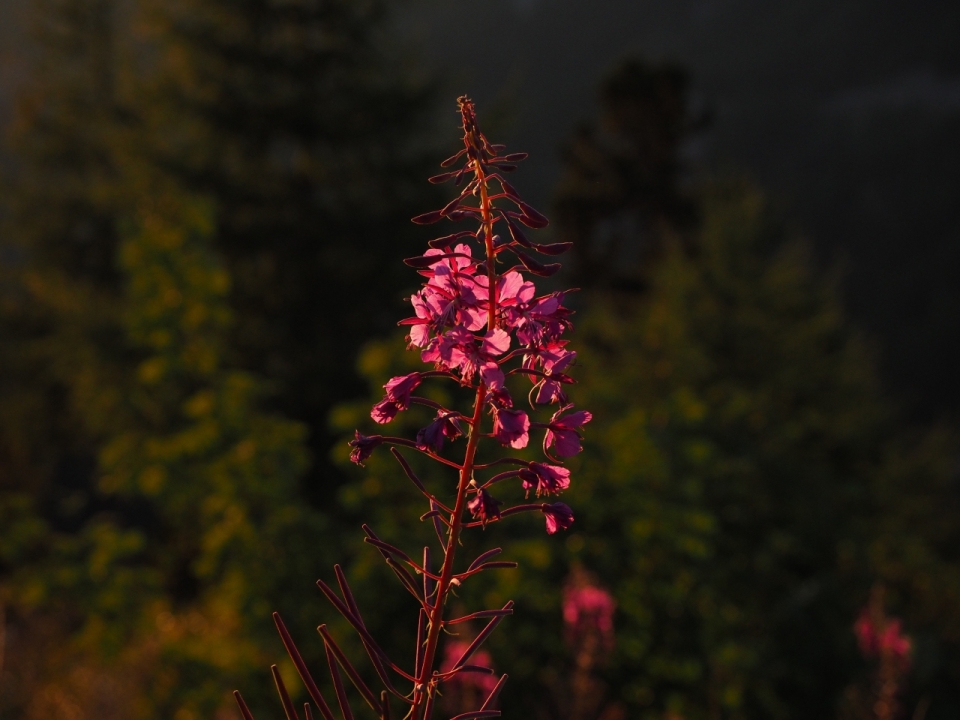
{"x": 183, "y": 582}
{"x": 219, "y": 474}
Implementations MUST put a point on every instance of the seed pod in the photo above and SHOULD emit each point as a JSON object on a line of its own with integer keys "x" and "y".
{"x": 553, "y": 248}
{"x": 443, "y": 177}
{"x": 530, "y": 222}
{"x": 425, "y": 261}
{"x": 517, "y": 234}
{"x": 427, "y": 218}
{"x": 531, "y": 216}
{"x": 452, "y": 159}
{"x": 451, "y": 206}
{"x": 462, "y": 214}
{"x": 446, "y": 240}
{"x": 509, "y": 189}
{"x": 535, "y": 267}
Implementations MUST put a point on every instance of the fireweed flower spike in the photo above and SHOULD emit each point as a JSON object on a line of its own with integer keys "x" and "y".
{"x": 479, "y": 321}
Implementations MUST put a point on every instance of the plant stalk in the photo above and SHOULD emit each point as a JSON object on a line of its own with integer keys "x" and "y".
{"x": 422, "y": 690}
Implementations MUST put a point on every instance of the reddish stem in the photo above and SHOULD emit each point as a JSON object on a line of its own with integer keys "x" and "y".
{"x": 422, "y": 692}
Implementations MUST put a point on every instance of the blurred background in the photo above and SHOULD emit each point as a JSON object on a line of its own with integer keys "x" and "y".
{"x": 204, "y": 206}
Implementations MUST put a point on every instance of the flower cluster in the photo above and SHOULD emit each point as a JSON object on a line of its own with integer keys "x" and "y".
{"x": 880, "y": 636}
{"x": 478, "y": 325}
{"x": 883, "y": 638}
{"x": 589, "y": 609}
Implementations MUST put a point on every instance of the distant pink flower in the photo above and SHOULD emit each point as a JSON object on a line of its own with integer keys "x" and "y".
{"x": 588, "y": 608}
{"x": 891, "y": 641}
{"x": 511, "y": 427}
{"x": 559, "y": 517}
{"x": 884, "y": 640}
{"x": 866, "y": 638}
{"x": 482, "y": 682}
{"x": 562, "y": 432}
{"x": 545, "y": 479}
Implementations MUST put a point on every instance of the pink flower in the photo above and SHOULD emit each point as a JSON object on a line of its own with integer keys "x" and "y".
{"x": 457, "y": 349}
{"x": 538, "y": 321}
{"x": 492, "y": 376}
{"x": 866, "y": 638}
{"x": 469, "y": 358}
{"x": 397, "y": 397}
{"x": 512, "y": 290}
{"x": 500, "y": 399}
{"x": 883, "y": 640}
{"x": 363, "y": 446}
{"x": 562, "y": 432}
{"x": 588, "y": 608}
{"x": 449, "y": 270}
{"x": 559, "y": 517}
{"x": 551, "y": 359}
{"x": 511, "y": 427}
{"x": 445, "y": 351}
{"x": 430, "y": 308}
{"x": 450, "y": 298}
{"x": 384, "y": 411}
{"x": 891, "y": 641}
{"x": 549, "y": 392}
{"x": 545, "y": 479}
{"x": 484, "y": 507}
{"x": 432, "y": 436}
{"x": 482, "y": 682}
{"x": 455, "y": 279}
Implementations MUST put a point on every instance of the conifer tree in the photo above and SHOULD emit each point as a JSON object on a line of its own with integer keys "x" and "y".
{"x": 297, "y": 118}
{"x": 620, "y": 194}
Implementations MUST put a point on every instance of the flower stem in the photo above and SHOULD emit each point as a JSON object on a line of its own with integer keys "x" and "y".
{"x": 422, "y": 691}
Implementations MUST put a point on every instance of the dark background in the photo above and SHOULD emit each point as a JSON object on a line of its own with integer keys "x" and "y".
{"x": 846, "y": 113}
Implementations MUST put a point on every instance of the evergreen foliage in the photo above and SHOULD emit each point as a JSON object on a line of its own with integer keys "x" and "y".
{"x": 297, "y": 118}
